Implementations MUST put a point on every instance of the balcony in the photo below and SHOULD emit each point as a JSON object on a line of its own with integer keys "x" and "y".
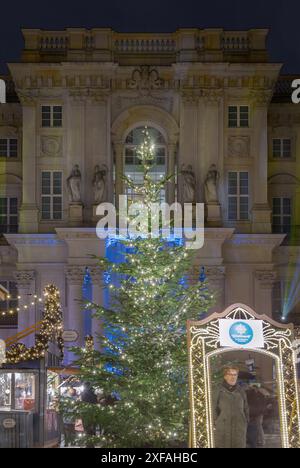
{"x": 106, "y": 45}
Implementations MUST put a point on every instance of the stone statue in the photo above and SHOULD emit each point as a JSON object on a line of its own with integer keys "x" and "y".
{"x": 189, "y": 184}
{"x": 211, "y": 185}
{"x": 74, "y": 185}
{"x": 99, "y": 183}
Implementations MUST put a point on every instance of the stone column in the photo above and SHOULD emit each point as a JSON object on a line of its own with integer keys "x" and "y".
{"x": 216, "y": 280}
{"x": 261, "y": 212}
{"x": 170, "y": 189}
{"x": 74, "y": 319}
{"x": 26, "y": 289}
{"x": 97, "y": 282}
{"x": 264, "y": 283}
{"x": 119, "y": 183}
{"x": 28, "y": 221}
{"x": 212, "y": 153}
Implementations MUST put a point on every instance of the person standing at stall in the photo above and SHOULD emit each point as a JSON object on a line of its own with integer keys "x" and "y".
{"x": 68, "y": 420}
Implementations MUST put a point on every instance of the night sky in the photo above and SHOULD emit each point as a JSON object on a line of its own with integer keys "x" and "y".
{"x": 282, "y": 17}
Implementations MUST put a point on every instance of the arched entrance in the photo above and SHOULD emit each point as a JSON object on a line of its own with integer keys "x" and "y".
{"x": 204, "y": 341}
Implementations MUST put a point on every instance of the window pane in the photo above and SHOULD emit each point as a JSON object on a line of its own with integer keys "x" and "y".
{"x": 57, "y": 183}
{"x": 244, "y": 183}
{"x": 57, "y": 208}
{"x": 46, "y": 116}
{"x": 57, "y": 116}
{"x": 286, "y": 148}
{"x": 232, "y": 116}
{"x": 232, "y": 208}
{"x": 13, "y": 206}
{"x": 3, "y": 206}
{"x": 244, "y": 116}
{"x": 232, "y": 183}
{"x": 286, "y": 206}
{"x": 46, "y": 183}
{"x": 244, "y": 208}
{"x": 13, "y": 148}
{"x": 4, "y": 148}
{"x": 46, "y": 210}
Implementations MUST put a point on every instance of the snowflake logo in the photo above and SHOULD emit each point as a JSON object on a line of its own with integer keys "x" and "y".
{"x": 241, "y": 329}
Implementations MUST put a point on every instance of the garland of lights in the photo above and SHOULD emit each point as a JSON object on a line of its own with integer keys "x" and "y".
{"x": 51, "y": 327}
{"x": 34, "y": 300}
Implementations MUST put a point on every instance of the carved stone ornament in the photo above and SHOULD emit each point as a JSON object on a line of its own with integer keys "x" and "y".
{"x": 239, "y": 146}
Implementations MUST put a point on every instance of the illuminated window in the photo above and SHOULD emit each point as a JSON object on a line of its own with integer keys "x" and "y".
{"x": 9, "y": 305}
{"x": 133, "y": 168}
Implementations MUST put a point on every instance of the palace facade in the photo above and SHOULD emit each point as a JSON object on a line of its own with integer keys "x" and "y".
{"x": 78, "y": 100}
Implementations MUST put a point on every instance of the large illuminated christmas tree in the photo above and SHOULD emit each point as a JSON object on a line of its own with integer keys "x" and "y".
{"x": 143, "y": 363}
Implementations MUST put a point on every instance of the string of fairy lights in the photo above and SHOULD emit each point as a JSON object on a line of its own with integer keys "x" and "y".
{"x": 31, "y": 300}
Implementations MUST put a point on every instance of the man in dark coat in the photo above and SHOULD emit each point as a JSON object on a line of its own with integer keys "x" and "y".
{"x": 231, "y": 412}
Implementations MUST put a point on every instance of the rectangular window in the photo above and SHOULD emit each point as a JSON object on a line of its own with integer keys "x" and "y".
{"x": 282, "y": 215}
{"x": 51, "y": 195}
{"x": 52, "y": 116}
{"x": 8, "y": 307}
{"x": 238, "y": 196}
{"x": 282, "y": 148}
{"x": 238, "y": 116}
{"x": 8, "y": 215}
{"x": 8, "y": 148}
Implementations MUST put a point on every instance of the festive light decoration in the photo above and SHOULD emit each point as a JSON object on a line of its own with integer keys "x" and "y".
{"x": 51, "y": 328}
{"x": 204, "y": 344}
{"x": 143, "y": 364}
{"x": 30, "y": 299}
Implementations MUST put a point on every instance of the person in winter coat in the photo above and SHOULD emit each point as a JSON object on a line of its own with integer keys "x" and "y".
{"x": 258, "y": 408}
{"x": 231, "y": 412}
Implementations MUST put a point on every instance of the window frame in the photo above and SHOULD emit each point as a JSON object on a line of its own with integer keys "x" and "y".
{"x": 238, "y": 116}
{"x": 282, "y": 215}
{"x": 238, "y": 196}
{"x": 51, "y": 120}
{"x": 281, "y": 157}
{"x": 51, "y": 195}
{"x": 12, "y": 303}
{"x": 8, "y": 215}
{"x": 8, "y": 148}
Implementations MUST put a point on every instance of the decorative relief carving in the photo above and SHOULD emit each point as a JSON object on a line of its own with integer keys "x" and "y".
{"x": 261, "y": 97}
{"x": 24, "y": 278}
{"x": 75, "y": 274}
{"x": 239, "y": 146}
{"x": 144, "y": 79}
{"x": 51, "y": 146}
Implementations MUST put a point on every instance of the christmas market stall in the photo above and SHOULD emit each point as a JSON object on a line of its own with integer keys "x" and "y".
{"x": 28, "y": 386}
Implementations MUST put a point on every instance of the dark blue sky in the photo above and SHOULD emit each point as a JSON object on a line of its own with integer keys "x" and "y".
{"x": 281, "y": 16}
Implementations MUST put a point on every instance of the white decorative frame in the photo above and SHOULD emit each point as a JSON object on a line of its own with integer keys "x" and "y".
{"x": 203, "y": 343}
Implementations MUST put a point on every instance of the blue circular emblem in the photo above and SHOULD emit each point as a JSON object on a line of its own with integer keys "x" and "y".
{"x": 241, "y": 333}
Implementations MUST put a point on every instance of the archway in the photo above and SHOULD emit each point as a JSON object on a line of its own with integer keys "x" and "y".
{"x": 204, "y": 341}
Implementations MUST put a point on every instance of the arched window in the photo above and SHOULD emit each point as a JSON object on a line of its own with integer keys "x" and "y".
{"x": 132, "y": 163}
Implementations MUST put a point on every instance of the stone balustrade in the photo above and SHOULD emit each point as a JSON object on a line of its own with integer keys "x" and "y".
{"x": 180, "y": 46}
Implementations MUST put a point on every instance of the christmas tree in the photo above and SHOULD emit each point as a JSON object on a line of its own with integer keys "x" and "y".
{"x": 142, "y": 368}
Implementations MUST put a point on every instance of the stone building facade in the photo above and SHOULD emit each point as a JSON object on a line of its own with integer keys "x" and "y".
{"x": 80, "y": 97}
